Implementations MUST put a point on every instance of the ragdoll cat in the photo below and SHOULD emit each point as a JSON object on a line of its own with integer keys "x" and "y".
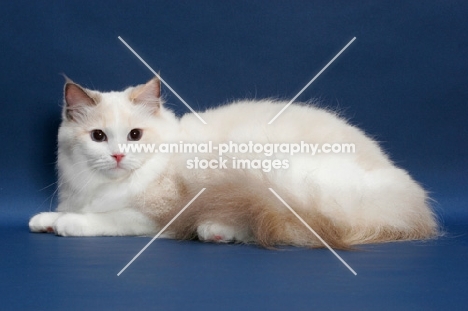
{"x": 347, "y": 198}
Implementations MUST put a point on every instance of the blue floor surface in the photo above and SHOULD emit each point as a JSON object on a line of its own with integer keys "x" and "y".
{"x": 45, "y": 272}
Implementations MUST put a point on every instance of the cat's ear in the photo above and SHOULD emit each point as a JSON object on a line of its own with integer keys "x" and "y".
{"x": 148, "y": 94}
{"x": 77, "y": 99}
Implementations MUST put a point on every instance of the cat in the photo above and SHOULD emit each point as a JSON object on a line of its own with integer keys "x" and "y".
{"x": 347, "y": 198}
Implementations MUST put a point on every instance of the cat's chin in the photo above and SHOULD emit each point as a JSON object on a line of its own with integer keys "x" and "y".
{"x": 117, "y": 173}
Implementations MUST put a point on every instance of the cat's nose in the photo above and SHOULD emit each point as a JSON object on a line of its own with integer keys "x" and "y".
{"x": 118, "y": 157}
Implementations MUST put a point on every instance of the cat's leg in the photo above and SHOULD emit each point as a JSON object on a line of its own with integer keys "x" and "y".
{"x": 114, "y": 223}
{"x": 216, "y": 232}
{"x": 43, "y": 222}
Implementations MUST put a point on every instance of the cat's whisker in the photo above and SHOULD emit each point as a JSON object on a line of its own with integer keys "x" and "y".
{"x": 52, "y": 198}
{"x": 48, "y": 186}
{"x": 84, "y": 185}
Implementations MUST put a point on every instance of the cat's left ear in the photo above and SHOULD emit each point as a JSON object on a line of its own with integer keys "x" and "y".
{"x": 148, "y": 94}
{"x": 77, "y": 100}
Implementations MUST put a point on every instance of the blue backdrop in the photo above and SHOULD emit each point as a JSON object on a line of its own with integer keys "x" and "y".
{"x": 404, "y": 80}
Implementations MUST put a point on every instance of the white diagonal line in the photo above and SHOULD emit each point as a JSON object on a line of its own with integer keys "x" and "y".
{"x": 312, "y": 230}
{"x": 160, "y": 232}
{"x": 164, "y": 82}
{"x": 313, "y": 79}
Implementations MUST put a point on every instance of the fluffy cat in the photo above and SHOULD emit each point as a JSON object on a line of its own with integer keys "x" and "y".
{"x": 347, "y": 198}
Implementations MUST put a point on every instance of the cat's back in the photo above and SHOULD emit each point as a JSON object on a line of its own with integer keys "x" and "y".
{"x": 249, "y": 120}
{"x": 253, "y": 116}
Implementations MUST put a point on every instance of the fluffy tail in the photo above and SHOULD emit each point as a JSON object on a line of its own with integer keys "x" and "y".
{"x": 243, "y": 201}
{"x": 247, "y": 204}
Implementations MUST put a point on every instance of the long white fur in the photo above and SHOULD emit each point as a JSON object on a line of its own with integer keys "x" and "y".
{"x": 364, "y": 190}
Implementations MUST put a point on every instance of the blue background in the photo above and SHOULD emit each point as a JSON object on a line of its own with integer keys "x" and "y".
{"x": 404, "y": 81}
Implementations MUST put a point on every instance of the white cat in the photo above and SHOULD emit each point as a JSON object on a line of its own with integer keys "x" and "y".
{"x": 347, "y": 198}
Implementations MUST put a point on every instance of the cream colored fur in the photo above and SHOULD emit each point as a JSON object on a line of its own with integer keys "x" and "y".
{"x": 348, "y": 199}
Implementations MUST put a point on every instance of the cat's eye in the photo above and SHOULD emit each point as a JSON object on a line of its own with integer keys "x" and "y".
{"x": 135, "y": 135}
{"x": 98, "y": 136}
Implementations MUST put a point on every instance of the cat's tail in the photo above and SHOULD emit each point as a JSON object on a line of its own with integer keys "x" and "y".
{"x": 243, "y": 200}
{"x": 393, "y": 207}
{"x": 246, "y": 203}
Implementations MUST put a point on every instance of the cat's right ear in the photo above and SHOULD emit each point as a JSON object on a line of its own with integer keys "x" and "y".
{"x": 148, "y": 94}
{"x": 77, "y": 100}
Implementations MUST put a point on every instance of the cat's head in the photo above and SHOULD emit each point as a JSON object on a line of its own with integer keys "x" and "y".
{"x": 95, "y": 126}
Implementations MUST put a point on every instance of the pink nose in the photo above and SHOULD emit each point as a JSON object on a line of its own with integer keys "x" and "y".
{"x": 118, "y": 157}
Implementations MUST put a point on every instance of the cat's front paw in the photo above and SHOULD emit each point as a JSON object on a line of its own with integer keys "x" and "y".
{"x": 73, "y": 225}
{"x": 43, "y": 222}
